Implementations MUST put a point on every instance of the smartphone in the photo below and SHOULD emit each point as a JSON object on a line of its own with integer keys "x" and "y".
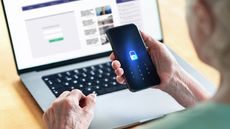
{"x": 129, "y": 48}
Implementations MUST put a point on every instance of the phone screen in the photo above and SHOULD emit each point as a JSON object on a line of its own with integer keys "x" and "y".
{"x": 130, "y": 50}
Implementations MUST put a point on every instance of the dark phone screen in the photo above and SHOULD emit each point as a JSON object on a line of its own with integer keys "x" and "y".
{"x": 130, "y": 50}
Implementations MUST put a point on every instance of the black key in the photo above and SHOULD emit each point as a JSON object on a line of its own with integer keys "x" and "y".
{"x": 92, "y": 78}
{"x": 76, "y": 76}
{"x": 58, "y": 86}
{"x": 68, "y": 73}
{"x": 84, "y": 74}
{"x": 101, "y": 92}
{"x": 111, "y": 89}
{"x": 97, "y": 87}
{"x": 76, "y": 71}
{"x": 57, "y": 80}
{"x": 75, "y": 82}
{"x": 68, "y": 78}
{"x": 92, "y": 68}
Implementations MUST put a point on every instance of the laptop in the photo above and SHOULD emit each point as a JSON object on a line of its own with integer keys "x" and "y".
{"x": 61, "y": 45}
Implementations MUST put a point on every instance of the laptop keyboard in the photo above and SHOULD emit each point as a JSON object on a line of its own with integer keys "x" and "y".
{"x": 99, "y": 79}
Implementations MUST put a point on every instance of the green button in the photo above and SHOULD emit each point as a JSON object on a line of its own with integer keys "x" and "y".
{"x": 56, "y": 39}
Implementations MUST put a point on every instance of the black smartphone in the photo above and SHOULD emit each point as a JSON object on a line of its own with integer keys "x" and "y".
{"x": 130, "y": 50}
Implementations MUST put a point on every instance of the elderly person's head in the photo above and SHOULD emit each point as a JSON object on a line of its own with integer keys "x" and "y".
{"x": 208, "y": 22}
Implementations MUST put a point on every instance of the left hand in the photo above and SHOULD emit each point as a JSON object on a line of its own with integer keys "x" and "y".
{"x": 71, "y": 110}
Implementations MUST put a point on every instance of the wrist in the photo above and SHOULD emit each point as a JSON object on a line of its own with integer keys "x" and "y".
{"x": 174, "y": 80}
{"x": 179, "y": 88}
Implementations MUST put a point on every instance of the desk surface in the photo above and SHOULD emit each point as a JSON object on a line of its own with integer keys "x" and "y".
{"x": 19, "y": 110}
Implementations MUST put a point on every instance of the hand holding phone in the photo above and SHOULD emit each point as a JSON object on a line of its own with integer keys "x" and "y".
{"x": 129, "y": 48}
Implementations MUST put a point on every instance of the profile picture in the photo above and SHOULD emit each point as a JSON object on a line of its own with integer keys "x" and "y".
{"x": 103, "y": 10}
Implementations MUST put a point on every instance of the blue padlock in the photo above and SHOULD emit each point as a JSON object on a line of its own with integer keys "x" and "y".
{"x": 133, "y": 55}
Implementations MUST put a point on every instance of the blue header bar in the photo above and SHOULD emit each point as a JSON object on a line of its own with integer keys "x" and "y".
{"x": 46, "y": 4}
{"x": 123, "y": 1}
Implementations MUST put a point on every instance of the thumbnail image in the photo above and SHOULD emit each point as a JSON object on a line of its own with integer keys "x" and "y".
{"x": 104, "y": 40}
{"x": 104, "y": 20}
{"x": 104, "y": 28}
{"x": 103, "y": 10}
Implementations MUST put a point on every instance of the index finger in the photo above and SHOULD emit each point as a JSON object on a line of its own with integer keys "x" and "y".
{"x": 90, "y": 102}
{"x": 76, "y": 95}
{"x": 112, "y": 56}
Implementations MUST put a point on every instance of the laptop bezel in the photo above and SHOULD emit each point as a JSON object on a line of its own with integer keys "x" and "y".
{"x": 63, "y": 62}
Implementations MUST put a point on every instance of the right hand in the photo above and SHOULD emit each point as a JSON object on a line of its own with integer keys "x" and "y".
{"x": 71, "y": 110}
{"x": 165, "y": 63}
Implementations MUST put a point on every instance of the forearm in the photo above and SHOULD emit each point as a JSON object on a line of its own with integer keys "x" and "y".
{"x": 185, "y": 90}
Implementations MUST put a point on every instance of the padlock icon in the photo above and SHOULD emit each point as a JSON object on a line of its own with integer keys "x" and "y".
{"x": 133, "y": 55}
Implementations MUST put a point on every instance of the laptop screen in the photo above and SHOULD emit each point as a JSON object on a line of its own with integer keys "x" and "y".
{"x": 45, "y": 32}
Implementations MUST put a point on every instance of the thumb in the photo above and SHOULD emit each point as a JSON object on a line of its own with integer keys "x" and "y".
{"x": 90, "y": 102}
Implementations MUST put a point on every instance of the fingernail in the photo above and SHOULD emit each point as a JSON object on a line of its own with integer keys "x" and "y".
{"x": 93, "y": 95}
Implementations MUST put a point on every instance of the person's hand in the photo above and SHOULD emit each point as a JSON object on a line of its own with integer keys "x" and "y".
{"x": 165, "y": 63}
{"x": 71, "y": 110}
{"x": 174, "y": 80}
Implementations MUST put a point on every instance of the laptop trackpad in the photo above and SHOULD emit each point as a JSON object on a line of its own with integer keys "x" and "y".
{"x": 123, "y": 108}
